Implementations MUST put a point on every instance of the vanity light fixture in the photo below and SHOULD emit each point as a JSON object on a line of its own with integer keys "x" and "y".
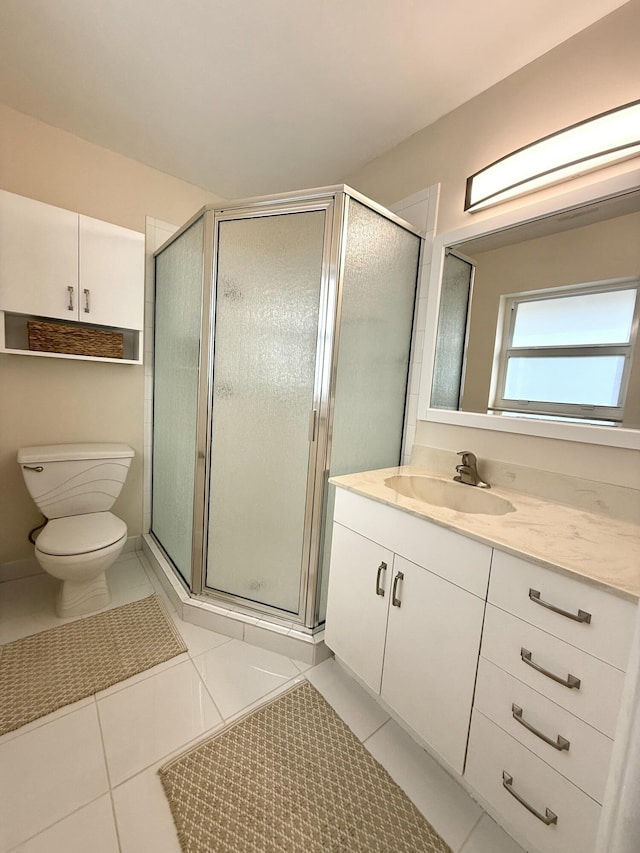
{"x": 590, "y": 144}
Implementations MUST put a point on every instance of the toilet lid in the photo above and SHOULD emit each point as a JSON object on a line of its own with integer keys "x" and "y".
{"x": 80, "y": 534}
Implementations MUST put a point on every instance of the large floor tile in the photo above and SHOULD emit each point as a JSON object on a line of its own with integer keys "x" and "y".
{"x": 143, "y": 815}
{"x": 91, "y": 828}
{"x": 238, "y": 674}
{"x": 360, "y": 712}
{"x": 48, "y": 718}
{"x": 449, "y": 809}
{"x": 141, "y": 676}
{"x": 153, "y": 717}
{"x": 198, "y": 640}
{"x": 48, "y": 773}
{"x": 31, "y": 596}
{"x": 126, "y": 573}
{"x": 488, "y": 837}
{"x": 24, "y": 626}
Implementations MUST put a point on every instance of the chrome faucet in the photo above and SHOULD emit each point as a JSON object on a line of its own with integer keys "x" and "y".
{"x": 468, "y": 471}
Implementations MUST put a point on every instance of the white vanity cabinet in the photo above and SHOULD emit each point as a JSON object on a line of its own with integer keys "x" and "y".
{"x": 398, "y": 621}
{"x": 550, "y": 680}
{"x": 58, "y": 264}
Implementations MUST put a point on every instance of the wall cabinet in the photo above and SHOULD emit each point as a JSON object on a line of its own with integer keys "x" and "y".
{"x": 408, "y": 605}
{"x": 407, "y": 632}
{"x": 62, "y": 265}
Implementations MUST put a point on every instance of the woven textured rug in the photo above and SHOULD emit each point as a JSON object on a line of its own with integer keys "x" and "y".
{"x": 289, "y": 777}
{"x": 43, "y": 672}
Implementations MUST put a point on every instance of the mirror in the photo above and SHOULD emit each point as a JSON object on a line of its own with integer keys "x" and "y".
{"x": 577, "y": 257}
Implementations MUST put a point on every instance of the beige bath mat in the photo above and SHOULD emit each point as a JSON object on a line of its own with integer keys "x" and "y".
{"x": 291, "y": 776}
{"x": 43, "y": 672}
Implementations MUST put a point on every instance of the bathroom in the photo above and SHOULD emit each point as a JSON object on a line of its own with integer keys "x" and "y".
{"x": 102, "y": 402}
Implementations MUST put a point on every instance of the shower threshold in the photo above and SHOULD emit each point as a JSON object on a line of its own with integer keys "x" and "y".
{"x": 294, "y": 641}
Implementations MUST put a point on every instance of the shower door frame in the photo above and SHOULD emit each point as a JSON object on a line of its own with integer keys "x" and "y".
{"x": 332, "y": 207}
{"x": 334, "y": 201}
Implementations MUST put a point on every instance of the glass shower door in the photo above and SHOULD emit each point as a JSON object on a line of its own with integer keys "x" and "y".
{"x": 178, "y": 310}
{"x": 376, "y": 317}
{"x": 268, "y": 290}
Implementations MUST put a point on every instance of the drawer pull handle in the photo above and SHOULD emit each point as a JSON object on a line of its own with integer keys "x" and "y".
{"x": 70, "y": 291}
{"x": 570, "y": 681}
{"x": 547, "y": 818}
{"x": 581, "y": 616}
{"x": 87, "y": 293}
{"x": 394, "y": 599}
{"x": 381, "y": 568}
{"x": 559, "y": 743}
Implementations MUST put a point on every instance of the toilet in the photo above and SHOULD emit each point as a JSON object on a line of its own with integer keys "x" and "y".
{"x": 74, "y": 486}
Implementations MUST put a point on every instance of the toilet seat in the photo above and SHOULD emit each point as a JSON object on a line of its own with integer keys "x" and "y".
{"x": 80, "y": 534}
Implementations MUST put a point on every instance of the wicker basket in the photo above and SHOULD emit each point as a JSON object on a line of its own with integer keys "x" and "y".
{"x": 74, "y": 340}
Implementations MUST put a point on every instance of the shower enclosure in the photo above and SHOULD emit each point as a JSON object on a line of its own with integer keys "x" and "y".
{"x": 282, "y": 338}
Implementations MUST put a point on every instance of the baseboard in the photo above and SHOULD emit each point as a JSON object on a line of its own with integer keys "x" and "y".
{"x": 16, "y": 569}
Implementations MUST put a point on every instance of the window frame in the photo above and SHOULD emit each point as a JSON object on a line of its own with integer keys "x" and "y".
{"x": 505, "y": 350}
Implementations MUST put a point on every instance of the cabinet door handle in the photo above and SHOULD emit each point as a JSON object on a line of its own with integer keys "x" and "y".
{"x": 580, "y": 616}
{"x": 394, "y": 599}
{"x": 70, "y": 291}
{"x": 559, "y": 743}
{"x": 86, "y": 300}
{"x": 570, "y": 681}
{"x": 381, "y": 568}
{"x": 547, "y": 818}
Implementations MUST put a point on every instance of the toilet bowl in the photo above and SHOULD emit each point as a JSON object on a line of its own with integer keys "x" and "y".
{"x": 74, "y": 486}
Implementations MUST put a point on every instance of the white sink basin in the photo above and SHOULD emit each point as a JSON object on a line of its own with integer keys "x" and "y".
{"x": 456, "y": 496}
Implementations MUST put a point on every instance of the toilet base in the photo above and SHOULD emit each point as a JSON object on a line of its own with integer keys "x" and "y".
{"x": 78, "y": 598}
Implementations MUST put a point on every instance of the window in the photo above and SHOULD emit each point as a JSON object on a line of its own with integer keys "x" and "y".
{"x": 567, "y": 351}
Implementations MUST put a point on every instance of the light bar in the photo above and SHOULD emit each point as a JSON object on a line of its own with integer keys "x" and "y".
{"x": 582, "y": 147}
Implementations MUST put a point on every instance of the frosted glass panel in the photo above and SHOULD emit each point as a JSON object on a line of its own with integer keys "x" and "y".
{"x": 267, "y": 303}
{"x": 451, "y": 334}
{"x": 179, "y": 270}
{"x": 588, "y": 380}
{"x": 589, "y": 318}
{"x": 381, "y": 264}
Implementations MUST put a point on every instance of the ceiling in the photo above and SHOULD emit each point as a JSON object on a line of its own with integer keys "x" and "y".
{"x": 245, "y": 97}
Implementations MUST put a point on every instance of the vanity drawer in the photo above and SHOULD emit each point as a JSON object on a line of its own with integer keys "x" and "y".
{"x": 495, "y": 759}
{"x": 506, "y": 641}
{"x": 584, "y": 753}
{"x": 530, "y": 591}
{"x": 458, "y": 559}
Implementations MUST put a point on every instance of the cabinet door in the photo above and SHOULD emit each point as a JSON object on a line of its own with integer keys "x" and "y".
{"x": 38, "y": 258}
{"x": 111, "y": 275}
{"x": 359, "y": 577}
{"x": 431, "y": 658}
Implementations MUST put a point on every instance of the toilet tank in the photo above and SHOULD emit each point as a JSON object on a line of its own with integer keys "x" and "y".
{"x": 74, "y": 479}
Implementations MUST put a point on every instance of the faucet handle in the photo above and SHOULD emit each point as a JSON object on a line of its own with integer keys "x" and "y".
{"x": 468, "y": 458}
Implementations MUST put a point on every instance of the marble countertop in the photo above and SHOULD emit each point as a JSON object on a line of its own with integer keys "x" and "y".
{"x": 596, "y": 548}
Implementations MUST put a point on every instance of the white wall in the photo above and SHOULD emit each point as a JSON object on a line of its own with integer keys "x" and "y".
{"x": 596, "y": 70}
{"x": 44, "y": 400}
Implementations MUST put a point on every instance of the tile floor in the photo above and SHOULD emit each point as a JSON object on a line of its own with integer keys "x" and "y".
{"x": 84, "y": 778}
